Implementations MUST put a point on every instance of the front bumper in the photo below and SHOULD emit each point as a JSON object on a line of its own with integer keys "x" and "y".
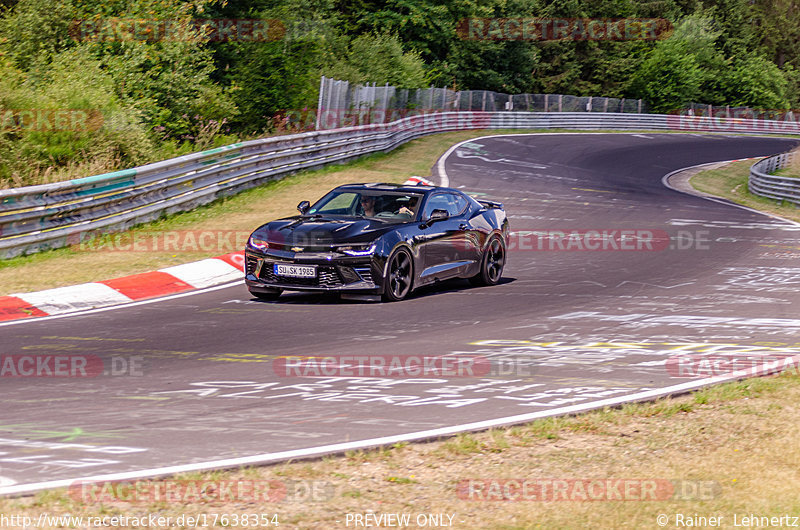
{"x": 334, "y": 272}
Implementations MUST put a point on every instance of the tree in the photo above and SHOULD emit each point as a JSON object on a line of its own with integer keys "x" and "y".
{"x": 684, "y": 68}
{"x": 753, "y": 81}
{"x": 35, "y": 30}
{"x": 378, "y": 59}
{"x": 778, "y": 23}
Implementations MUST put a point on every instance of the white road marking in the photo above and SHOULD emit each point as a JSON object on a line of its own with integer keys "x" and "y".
{"x": 665, "y": 182}
{"x": 265, "y": 458}
{"x": 6, "y": 489}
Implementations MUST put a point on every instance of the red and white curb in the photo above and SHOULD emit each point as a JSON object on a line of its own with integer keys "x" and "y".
{"x": 163, "y": 282}
{"x": 418, "y": 181}
{"x": 171, "y": 280}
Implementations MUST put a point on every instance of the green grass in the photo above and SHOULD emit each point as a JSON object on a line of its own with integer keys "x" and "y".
{"x": 730, "y": 182}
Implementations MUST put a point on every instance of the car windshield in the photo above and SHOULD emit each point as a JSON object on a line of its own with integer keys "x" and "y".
{"x": 373, "y": 204}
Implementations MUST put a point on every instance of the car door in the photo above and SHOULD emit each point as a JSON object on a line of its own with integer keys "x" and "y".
{"x": 446, "y": 246}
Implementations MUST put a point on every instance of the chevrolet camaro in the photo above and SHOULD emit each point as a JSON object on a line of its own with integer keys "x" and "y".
{"x": 367, "y": 241}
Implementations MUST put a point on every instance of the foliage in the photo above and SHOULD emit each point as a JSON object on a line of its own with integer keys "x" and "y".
{"x": 35, "y": 31}
{"x": 378, "y": 59}
{"x": 753, "y": 81}
{"x": 74, "y": 81}
{"x": 163, "y": 97}
{"x": 679, "y": 70}
{"x": 690, "y": 66}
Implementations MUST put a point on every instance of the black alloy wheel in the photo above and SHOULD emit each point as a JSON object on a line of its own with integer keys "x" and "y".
{"x": 494, "y": 259}
{"x": 399, "y": 276}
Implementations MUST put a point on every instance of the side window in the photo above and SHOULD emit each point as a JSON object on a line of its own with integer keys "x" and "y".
{"x": 438, "y": 201}
{"x": 460, "y": 203}
{"x": 454, "y": 203}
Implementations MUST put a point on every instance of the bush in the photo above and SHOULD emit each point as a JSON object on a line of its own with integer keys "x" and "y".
{"x": 114, "y": 134}
{"x": 378, "y": 59}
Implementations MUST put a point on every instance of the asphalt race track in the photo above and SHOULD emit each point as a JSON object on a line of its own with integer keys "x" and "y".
{"x": 195, "y": 383}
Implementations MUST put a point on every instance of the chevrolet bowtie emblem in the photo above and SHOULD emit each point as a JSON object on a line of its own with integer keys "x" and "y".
{"x": 297, "y": 249}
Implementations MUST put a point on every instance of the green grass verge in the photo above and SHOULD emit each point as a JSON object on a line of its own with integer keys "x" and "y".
{"x": 730, "y": 182}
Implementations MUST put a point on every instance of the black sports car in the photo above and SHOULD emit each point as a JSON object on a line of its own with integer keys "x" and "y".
{"x": 366, "y": 240}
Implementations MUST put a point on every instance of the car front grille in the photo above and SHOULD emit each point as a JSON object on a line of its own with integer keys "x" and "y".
{"x": 349, "y": 275}
{"x": 364, "y": 272}
{"x": 251, "y": 264}
{"x": 328, "y": 276}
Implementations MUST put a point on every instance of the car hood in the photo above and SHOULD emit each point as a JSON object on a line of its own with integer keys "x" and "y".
{"x": 309, "y": 231}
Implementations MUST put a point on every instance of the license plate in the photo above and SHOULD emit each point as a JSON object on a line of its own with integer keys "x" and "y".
{"x": 296, "y": 271}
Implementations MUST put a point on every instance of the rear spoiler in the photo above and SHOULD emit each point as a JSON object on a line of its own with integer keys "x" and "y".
{"x": 491, "y": 204}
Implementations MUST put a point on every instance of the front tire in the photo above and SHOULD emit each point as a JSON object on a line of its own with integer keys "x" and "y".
{"x": 399, "y": 276}
{"x": 494, "y": 259}
{"x": 269, "y": 296}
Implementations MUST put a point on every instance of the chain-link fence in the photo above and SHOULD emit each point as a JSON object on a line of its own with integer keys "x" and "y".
{"x": 342, "y": 104}
{"x": 700, "y": 109}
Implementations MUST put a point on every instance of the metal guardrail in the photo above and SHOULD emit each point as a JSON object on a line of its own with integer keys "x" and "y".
{"x": 763, "y": 183}
{"x": 55, "y": 215}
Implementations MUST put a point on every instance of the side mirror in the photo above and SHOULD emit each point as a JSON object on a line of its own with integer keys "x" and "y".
{"x": 437, "y": 215}
{"x": 303, "y": 206}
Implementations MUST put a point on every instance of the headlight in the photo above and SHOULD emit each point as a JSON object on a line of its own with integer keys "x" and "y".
{"x": 258, "y": 244}
{"x": 358, "y": 250}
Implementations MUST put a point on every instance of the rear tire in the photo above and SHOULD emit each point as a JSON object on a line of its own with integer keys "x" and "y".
{"x": 270, "y": 296}
{"x": 492, "y": 263}
{"x": 399, "y": 276}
